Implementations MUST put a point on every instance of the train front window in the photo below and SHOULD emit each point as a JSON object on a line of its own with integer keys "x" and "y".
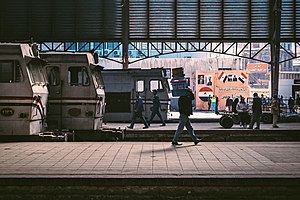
{"x": 139, "y": 86}
{"x": 98, "y": 76}
{"x": 10, "y": 71}
{"x": 36, "y": 71}
{"x": 78, "y": 76}
{"x": 53, "y": 75}
{"x": 156, "y": 85}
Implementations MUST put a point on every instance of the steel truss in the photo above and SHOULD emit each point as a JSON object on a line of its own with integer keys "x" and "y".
{"x": 155, "y": 49}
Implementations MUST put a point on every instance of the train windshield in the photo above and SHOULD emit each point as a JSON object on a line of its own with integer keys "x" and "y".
{"x": 98, "y": 77}
{"x": 36, "y": 71}
{"x": 10, "y": 71}
{"x": 78, "y": 76}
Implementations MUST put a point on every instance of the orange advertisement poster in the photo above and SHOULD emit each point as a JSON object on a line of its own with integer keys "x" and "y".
{"x": 258, "y": 67}
{"x": 221, "y": 84}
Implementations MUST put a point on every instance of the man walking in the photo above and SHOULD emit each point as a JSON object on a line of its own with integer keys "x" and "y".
{"x": 155, "y": 108}
{"x": 138, "y": 112}
{"x": 185, "y": 110}
{"x": 256, "y": 112}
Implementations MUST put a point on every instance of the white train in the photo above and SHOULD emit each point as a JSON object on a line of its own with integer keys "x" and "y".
{"x": 76, "y": 91}
{"x": 122, "y": 85}
{"x": 23, "y": 90}
{"x": 65, "y": 91}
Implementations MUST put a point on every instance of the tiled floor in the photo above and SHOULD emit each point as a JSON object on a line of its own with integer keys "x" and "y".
{"x": 150, "y": 159}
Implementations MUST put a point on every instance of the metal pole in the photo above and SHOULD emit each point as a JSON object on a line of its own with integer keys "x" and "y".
{"x": 125, "y": 35}
{"x": 275, "y": 47}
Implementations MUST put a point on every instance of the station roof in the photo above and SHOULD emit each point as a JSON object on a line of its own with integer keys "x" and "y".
{"x": 148, "y": 20}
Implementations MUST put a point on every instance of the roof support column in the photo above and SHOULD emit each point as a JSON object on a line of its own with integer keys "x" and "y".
{"x": 125, "y": 33}
{"x": 275, "y": 47}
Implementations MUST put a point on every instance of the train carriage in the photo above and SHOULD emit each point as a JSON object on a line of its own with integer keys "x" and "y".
{"x": 23, "y": 90}
{"x": 121, "y": 86}
{"x": 76, "y": 91}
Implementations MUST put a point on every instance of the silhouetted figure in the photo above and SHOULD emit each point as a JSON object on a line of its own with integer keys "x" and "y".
{"x": 256, "y": 112}
{"x": 155, "y": 108}
{"x": 185, "y": 110}
{"x": 138, "y": 112}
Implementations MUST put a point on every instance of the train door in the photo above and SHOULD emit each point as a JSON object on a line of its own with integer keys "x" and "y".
{"x": 54, "y": 119}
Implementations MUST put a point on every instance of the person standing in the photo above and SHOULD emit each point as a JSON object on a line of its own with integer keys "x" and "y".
{"x": 234, "y": 105}
{"x": 297, "y": 102}
{"x": 275, "y": 110}
{"x": 155, "y": 109}
{"x": 291, "y": 104}
{"x": 138, "y": 112}
{"x": 263, "y": 101}
{"x": 228, "y": 105}
{"x": 209, "y": 102}
{"x": 242, "y": 109}
{"x": 185, "y": 110}
{"x": 213, "y": 103}
{"x": 256, "y": 112}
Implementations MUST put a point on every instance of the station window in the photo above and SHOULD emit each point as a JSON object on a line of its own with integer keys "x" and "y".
{"x": 10, "y": 71}
{"x": 53, "y": 75}
{"x": 78, "y": 76}
{"x": 156, "y": 85}
{"x": 139, "y": 86}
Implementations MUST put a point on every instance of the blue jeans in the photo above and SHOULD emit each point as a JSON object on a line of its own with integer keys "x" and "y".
{"x": 140, "y": 115}
{"x": 184, "y": 121}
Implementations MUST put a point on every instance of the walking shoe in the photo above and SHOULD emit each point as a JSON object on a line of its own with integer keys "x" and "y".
{"x": 130, "y": 127}
{"x": 163, "y": 125}
{"x": 256, "y": 127}
{"x": 197, "y": 141}
{"x": 145, "y": 127}
{"x": 276, "y": 126}
{"x": 176, "y": 143}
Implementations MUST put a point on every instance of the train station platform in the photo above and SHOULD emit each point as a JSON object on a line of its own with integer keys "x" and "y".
{"x": 207, "y": 131}
{"x": 149, "y": 170}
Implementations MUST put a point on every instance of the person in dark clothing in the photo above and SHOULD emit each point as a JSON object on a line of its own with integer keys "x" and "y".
{"x": 138, "y": 112}
{"x": 291, "y": 104}
{"x": 155, "y": 109}
{"x": 185, "y": 110}
{"x": 228, "y": 105}
{"x": 234, "y": 104}
{"x": 209, "y": 103}
{"x": 256, "y": 112}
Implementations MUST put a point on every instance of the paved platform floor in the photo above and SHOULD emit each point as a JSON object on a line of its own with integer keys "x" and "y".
{"x": 149, "y": 159}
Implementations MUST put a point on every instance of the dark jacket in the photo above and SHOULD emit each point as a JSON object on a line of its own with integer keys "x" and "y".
{"x": 185, "y": 104}
{"x": 256, "y": 106}
{"x": 156, "y": 103}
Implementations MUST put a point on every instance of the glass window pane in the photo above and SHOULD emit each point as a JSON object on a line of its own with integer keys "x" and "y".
{"x": 140, "y": 86}
{"x": 53, "y": 75}
{"x": 78, "y": 76}
{"x": 10, "y": 71}
{"x": 155, "y": 85}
